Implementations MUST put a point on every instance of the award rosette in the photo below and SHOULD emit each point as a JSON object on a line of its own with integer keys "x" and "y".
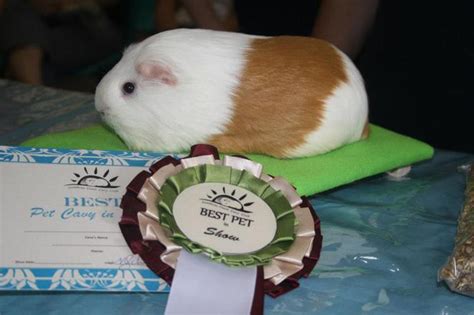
{"x": 226, "y": 209}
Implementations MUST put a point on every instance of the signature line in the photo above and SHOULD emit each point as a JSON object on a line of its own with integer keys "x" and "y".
{"x": 102, "y": 232}
{"x": 87, "y": 245}
{"x": 58, "y": 263}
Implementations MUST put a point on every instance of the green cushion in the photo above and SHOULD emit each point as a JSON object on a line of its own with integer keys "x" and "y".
{"x": 384, "y": 150}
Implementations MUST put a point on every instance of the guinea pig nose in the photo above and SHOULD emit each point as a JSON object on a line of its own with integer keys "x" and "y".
{"x": 100, "y": 105}
{"x": 101, "y": 108}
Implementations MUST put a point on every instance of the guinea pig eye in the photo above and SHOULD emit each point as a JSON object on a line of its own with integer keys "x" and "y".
{"x": 128, "y": 88}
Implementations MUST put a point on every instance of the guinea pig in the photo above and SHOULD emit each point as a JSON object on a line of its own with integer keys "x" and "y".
{"x": 283, "y": 96}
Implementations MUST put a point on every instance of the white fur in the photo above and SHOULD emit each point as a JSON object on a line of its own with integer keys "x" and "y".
{"x": 344, "y": 116}
{"x": 160, "y": 117}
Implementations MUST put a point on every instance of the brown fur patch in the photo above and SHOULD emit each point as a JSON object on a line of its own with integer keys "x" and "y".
{"x": 281, "y": 96}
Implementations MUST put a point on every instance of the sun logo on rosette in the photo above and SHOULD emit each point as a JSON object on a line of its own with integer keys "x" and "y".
{"x": 92, "y": 178}
{"x": 229, "y": 200}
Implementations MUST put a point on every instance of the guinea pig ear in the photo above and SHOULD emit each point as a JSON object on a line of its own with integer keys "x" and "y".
{"x": 155, "y": 71}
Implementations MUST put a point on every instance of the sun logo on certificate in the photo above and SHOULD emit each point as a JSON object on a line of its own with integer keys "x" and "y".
{"x": 229, "y": 200}
{"x": 92, "y": 178}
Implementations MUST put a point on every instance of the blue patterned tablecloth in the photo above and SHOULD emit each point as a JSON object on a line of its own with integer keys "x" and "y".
{"x": 384, "y": 240}
{"x": 28, "y": 111}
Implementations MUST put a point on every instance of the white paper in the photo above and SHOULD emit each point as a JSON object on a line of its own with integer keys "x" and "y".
{"x": 59, "y": 214}
{"x": 46, "y": 223}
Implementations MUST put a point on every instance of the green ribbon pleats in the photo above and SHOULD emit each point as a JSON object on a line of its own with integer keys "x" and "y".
{"x": 282, "y": 210}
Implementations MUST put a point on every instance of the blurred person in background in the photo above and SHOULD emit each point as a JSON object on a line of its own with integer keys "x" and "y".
{"x": 208, "y": 14}
{"x": 344, "y": 23}
{"x": 44, "y": 39}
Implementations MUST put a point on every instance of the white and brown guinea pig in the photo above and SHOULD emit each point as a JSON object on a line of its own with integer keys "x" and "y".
{"x": 281, "y": 96}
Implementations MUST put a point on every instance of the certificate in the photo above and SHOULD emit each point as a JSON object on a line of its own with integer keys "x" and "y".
{"x": 59, "y": 214}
